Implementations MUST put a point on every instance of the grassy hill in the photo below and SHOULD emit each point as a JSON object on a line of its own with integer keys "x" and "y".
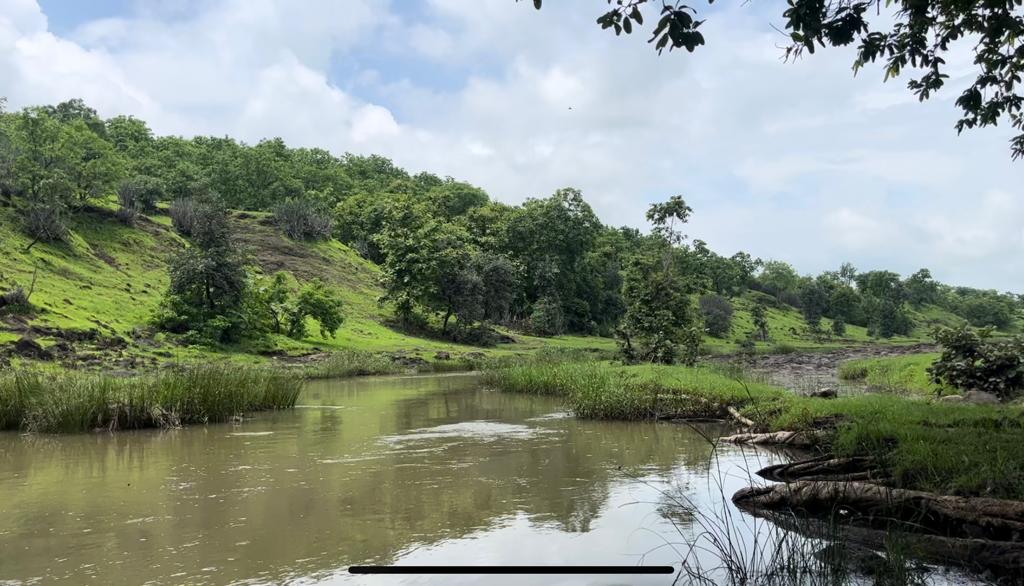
{"x": 109, "y": 278}
{"x": 96, "y": 293}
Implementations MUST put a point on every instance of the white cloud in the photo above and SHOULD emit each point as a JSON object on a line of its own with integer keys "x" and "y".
{"x": 800, "y": 161}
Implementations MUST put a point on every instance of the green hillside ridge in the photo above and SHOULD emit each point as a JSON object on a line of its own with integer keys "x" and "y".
{"x": 110, "y": 277}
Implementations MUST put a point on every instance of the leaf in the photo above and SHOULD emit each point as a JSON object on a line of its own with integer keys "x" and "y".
{"x": 536, "y": 4}
{"x": 627, "y": 26}
{"x": 637, "y": 16}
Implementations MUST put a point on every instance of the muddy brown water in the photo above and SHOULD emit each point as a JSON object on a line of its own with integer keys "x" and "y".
{"x": 399, "y": 470}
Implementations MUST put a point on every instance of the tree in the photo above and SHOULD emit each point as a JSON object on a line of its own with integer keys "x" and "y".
{"x": 500, "y": 281}
{"x": 659, "y": 324}
{"x": 319, "y": 302}
{"x": 547, "y": 318}
{"x": 138, "y": 194}
{"x": 915, "y": 35}
{"x": 717, "y": 313}
{"x": 884, "y": 296}
{"x": 814, "y": 298}
{"x": 270, "y": 302}
{"x": 208, "y": 281}
{"x": 983, "y": 311}
{"x": 778, "y": 278}
{"x": 429, "y": 264}
{"x": 921, "y": 288}
{"x": 304, "y": 218}
{"x": 759, "y": 313}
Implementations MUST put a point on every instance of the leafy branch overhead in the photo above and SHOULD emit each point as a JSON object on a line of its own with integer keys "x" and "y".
{"x": 908, "y": 34}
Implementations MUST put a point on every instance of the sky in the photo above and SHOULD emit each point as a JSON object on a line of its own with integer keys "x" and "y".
{"x": 799, "y": 161}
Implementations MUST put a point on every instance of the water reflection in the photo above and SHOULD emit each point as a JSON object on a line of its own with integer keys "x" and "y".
{"x": 410, "y": 470}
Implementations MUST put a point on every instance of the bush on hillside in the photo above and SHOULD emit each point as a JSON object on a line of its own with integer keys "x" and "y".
{"x": 45, "y": 221}
{"x": 717, "y": 312}
{"x": 315, "y": 301}
{"x": 303, "y": 219}
{"x": 182, "y": 214}
{"x": 839, "y": 327}
{"x": 971, "y": 361}
{"x": 986, "y": 311}
{"x": 137, "y": 195}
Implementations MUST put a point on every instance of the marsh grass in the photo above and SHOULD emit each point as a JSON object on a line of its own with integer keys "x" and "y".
{"x": 347, "y": 363}
{"x": 721, "y": 545}
{"x": 924, "y": 445}
{"x": 70, "y": 401}
{"x": 896, "y": 374}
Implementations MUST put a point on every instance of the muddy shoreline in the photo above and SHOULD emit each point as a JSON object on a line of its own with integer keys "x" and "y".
{"x": 813, "y": 371}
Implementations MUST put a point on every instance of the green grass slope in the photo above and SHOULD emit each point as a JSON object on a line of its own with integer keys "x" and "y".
{"x": 110, "y": 277}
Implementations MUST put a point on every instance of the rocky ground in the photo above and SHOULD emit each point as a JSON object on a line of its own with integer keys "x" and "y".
{"x": 810, "y": 372}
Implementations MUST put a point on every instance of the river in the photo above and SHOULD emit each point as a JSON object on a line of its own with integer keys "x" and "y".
{"x": 390, "y": 470}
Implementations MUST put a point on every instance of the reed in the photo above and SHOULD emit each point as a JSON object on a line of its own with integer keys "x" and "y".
{"x": 347, "y": 363}
{"x": 61, "y": 402}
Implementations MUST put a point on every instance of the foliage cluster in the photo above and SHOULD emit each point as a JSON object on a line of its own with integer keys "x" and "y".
{"x": 454, "y": 261}
{"x": 971, "y": 360}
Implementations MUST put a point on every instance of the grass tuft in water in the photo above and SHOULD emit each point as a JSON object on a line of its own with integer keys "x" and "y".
{"x": 347, "y": 363}
{"x": 72, "y": 401}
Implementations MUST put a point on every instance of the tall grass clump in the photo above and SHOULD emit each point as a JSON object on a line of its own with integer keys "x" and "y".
{"x": 895, "y": 374}
{"x": 348, "y": 363}
{"x": 552, "y": 378}
{"x": 73, "y": 401}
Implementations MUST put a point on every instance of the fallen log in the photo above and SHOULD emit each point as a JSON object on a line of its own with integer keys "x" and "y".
{"x": 739, "y": 417}
{"x": 803, "y": 439}
{"x": 825, "y": 468}
{"x": 877, "y": 506}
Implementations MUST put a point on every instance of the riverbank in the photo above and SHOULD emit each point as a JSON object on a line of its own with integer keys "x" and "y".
{"x": 955, "y": 449}
{"x": 897, "y": 374}
{"x": 71, "y": 401}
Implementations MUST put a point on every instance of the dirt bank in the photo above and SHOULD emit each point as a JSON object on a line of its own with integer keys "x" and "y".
{"x": 812, "y": 371}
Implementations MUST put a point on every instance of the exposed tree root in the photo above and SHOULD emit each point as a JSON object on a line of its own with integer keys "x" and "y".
{"x": 876, "y": 506}
{"x": 863, "y": 469}
{"x": 1003, "y": 560}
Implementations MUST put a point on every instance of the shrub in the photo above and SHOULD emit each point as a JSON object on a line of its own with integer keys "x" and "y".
{"x": 783, "y": 348}
{"x": 128, "y": 212}
{"x": 15, "y": 302}
{"x": 142, "y": 191}
{"x": 748, "y": 344}
{"x": 303, "y": 219}
{"x": 182, "y": 214}
{"x": 970, "y": 361}
{"x": 717, "y": 312}
{"x": 320, "y": 303}
{"x": 839, "y": 327}
{"x": 45, "y": 220}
